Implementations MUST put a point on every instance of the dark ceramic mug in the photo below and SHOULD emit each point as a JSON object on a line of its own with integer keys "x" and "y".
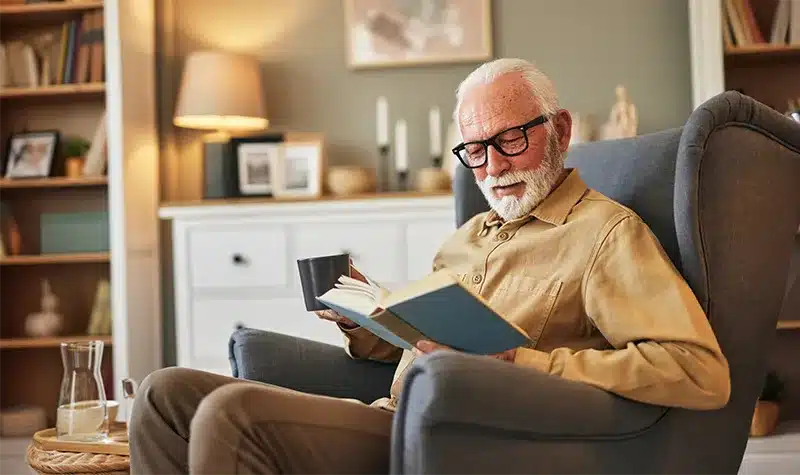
{"x": 319, "y": 275}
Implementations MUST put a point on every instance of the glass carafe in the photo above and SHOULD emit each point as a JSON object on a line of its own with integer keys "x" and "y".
{"x": 82, "y": 413}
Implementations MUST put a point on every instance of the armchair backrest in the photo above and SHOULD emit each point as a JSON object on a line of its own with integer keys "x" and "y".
{"x": 722, "y": 193}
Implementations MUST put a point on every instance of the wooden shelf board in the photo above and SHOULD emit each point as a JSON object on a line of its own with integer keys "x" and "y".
{"x": 56, "y": 182}
{"x": 789, "y": 325}
{"x": 764, "y": 49}
{"x": 36, "y": 14}
{"x": 91, "y": 88}
{"x": 48, "y": 342}
{"x": 73, "y": 258}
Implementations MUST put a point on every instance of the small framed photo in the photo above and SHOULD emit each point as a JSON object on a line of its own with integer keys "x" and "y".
{"x": 31, "y": 154}
{"x": 256, "y": 164}
{"x": 300, "y": 169}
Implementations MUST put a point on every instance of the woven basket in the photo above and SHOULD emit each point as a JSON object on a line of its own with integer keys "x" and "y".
{"x": 75, "y": 463}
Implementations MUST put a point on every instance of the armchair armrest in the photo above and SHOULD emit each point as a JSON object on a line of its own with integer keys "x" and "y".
{"x": 468, "y": 414}
{"x": 306, "y": 365}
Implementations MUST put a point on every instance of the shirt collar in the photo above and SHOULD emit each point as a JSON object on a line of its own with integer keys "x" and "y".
{"x": 555, "y": 208}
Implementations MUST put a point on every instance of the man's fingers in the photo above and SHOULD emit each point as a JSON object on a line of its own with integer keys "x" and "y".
{"x": 328, "y": 315}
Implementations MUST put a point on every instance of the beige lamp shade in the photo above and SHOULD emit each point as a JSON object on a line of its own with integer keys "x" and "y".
{"x": 221, "y": 91}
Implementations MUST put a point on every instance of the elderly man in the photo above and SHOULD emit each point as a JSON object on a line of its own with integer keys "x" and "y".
{"x": 581, "y": 274}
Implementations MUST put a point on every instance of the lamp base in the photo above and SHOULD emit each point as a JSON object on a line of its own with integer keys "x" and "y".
{"x": 219, "y": 177}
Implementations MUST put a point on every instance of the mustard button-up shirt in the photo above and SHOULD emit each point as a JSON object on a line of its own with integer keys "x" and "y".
{"x": 591, "y": 285}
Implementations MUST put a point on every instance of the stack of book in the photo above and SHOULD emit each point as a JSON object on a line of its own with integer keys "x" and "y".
{"x": 740, "y": 27}
{"x": 72, "y": 54}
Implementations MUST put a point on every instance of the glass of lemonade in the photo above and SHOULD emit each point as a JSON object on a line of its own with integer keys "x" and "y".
{"x": 82, "y": 414}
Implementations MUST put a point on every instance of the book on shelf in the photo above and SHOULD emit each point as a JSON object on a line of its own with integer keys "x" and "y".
{"x": 72, "y": 53}
{"x": 740, "y": 27}
{"x": 436, "y": 308}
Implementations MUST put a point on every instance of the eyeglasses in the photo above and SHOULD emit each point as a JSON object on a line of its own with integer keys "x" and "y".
{"x": 510, "y": 142}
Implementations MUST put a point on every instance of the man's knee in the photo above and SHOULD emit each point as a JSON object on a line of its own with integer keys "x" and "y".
{"x": 225, "y": 408}
{"x": 158, "y": 392}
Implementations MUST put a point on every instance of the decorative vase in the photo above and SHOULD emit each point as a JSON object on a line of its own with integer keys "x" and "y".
{"x": 74, "y": 166}
{"x": 350, "y": 180}
{"x": 765, "y": 418}
{"x": 432, "y": 179}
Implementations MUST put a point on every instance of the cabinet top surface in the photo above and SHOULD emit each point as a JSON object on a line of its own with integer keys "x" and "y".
{"x": 179, "y": 209}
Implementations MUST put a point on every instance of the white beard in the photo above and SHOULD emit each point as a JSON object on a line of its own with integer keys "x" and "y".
{"x": 538, "y": 184}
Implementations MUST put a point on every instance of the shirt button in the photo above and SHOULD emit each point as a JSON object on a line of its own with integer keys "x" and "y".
{"x": 502, "y": 236}
{"x": 476, "y": 279}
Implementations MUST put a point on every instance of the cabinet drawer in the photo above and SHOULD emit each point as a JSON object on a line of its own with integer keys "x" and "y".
{"x": 377, "y": 248}
{"x": 214, "y": 320}
{"x": 238, "y": 256}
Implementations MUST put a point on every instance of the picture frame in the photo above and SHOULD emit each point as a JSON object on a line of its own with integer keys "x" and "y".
{"x": 256, "y": 161}
{"x": 300, "y": 169}
{"x": 396, "y": 33}
{"x": 31, "y": 154}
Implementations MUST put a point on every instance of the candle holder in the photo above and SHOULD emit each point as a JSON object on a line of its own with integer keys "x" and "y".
{"x": 382, "y": 169}
{"x": 402, "y": 180}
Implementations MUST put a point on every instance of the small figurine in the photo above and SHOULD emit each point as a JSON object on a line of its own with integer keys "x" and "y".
{"x": 47, "y": 322}
{"x": 623, "y": 120}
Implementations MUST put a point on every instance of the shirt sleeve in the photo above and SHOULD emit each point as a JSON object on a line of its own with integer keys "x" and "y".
{"x": 664, "y": 350}
{"x": 360, "y": 343}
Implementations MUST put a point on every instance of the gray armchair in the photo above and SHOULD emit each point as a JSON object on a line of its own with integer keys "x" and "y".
{"x": 722, "y": 193}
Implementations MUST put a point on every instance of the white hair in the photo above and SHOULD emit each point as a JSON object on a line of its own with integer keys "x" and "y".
{"x": 540, "y": 85}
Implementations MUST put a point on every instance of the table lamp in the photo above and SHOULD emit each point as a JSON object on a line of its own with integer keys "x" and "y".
{"x": 221, "y": 93}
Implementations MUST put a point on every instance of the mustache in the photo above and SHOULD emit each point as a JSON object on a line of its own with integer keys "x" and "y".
{"x": 504, "y": 180}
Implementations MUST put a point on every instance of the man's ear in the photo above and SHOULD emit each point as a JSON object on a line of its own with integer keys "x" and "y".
{"x": 563, "y": 125}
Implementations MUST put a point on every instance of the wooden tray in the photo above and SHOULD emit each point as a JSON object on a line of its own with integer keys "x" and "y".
{"x": 117, "y": 443}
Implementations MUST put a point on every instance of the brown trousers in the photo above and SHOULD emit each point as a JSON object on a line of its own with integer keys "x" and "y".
{"x": 188, "y": 421}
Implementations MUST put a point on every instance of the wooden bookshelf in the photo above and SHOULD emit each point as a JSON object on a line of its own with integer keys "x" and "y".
{"x": 49, "y": 342}
{"x": 59, "y": 90}
{"x": 35, "y": 14}
{"x": 48, "y": 259}
{"x": 56, "y": 182}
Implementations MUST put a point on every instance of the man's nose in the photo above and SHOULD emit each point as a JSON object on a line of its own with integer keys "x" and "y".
{"x": 496, "y": 162}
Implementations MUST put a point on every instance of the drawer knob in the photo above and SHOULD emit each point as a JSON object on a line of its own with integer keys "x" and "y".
{"x": 238, "y": 259}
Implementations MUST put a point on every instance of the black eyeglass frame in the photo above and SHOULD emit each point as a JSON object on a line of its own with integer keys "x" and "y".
{"x": 492, "y": 141}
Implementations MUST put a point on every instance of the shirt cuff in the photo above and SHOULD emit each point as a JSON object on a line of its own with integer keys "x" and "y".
{"x": 533, "y": 359}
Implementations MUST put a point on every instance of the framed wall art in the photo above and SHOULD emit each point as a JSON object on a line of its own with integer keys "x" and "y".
{"x": 31, "y": 154}
{"x": 391, "y": 33}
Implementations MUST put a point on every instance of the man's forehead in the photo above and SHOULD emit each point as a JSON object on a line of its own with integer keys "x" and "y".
{"x": 490, "y": 109}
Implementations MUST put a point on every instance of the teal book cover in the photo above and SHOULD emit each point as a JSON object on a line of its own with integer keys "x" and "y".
{"x": 436, "y": 308}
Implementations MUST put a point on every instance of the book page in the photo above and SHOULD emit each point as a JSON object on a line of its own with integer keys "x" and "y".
{"x": 371, "y": 281}
{"x": 431, "y": 282}
{"x": 354, "y": 285}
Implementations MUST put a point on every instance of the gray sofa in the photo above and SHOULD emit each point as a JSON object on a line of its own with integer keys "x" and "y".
{"x": 722, "y": 193}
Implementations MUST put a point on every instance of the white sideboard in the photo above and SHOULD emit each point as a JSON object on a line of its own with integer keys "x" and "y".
{"x": 236, "y": 263}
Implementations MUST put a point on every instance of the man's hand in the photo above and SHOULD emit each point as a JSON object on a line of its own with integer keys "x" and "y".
{"x": 335, "y": 317}
{"x": 426, "y": 346}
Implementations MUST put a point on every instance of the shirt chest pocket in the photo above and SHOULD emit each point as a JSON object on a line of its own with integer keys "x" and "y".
{"x": 528, "y": 303}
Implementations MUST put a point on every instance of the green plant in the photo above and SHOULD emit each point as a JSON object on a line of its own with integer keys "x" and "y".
{"x": 76, "y": 147}
{"x": 773, "y": 388}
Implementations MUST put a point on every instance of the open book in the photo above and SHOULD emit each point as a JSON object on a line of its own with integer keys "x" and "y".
{"x": 436, "y": 308}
